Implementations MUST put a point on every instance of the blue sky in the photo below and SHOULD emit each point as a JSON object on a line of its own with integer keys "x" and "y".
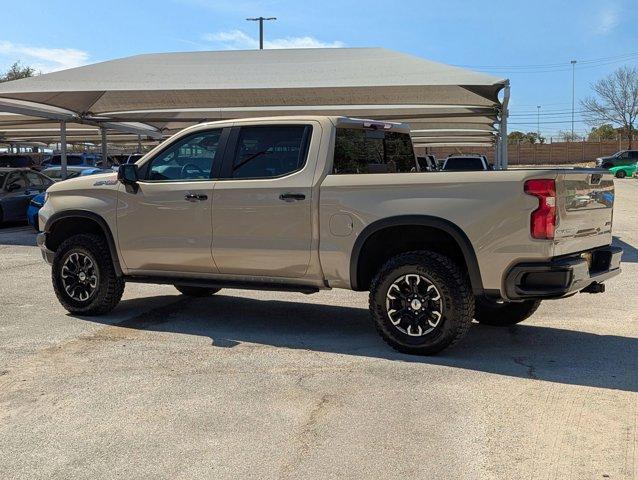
{"x": 531, "y": 43}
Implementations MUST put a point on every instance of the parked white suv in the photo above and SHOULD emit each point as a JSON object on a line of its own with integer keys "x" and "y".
{"x": 467, "y": 163}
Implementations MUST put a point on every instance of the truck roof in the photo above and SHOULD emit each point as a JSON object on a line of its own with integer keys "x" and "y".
{"x": 335, "y": 120}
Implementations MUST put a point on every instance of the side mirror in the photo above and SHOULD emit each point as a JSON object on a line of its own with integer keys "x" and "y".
{"x": 128, "y": 174}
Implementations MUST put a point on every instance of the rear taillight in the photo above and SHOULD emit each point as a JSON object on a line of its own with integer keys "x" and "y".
{"x": 543, "y": 219}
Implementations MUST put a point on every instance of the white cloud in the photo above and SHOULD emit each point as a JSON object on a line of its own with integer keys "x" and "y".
{"x": 607, "y": 20}
{"x": 239, "y": 40}
{"x": 41, "y": 58}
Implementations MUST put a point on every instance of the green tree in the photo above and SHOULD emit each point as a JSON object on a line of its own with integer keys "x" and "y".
{"x": 533, "y": 137}
{"x": 606, "y": 131}
{"x": 17, "y": 71}
{"x": 616, "y": 101}
{"x": 529, "y": 137}
{"x": 516, "y": 136}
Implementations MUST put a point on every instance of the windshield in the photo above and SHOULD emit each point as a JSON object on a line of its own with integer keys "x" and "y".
{"x": 464, "y": 163}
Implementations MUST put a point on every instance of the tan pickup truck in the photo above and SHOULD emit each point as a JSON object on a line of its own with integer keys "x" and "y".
{"x": 310, "y": 203}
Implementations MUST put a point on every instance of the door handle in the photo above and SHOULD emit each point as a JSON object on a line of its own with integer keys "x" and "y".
{"x": 292, "y": 197}
{"x": 195, "y": 197}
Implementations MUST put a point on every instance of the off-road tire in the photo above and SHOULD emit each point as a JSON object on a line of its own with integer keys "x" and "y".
{"x": 453, "y": 286}
{"x": 488, "y": 312}
{"x": 196, "y": 291}
{"x": 621, "y": 174}
{"x": 110, "y": 286}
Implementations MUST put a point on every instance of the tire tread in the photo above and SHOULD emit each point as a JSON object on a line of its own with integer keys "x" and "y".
{"x": 450, "y": 273}
{"x": 111, "y": 286}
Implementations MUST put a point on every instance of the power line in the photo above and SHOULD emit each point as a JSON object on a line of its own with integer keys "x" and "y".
{"x": 566, "y": 66}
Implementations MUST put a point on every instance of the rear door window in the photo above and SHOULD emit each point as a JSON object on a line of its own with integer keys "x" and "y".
{"x": 270, "y": 151}
{"x": 359, "y": 150}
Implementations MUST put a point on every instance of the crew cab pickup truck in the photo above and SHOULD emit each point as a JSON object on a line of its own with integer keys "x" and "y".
{"x": 311, "y": 203}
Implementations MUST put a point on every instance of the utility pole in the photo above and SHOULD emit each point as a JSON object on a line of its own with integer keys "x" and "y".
{"x": 261, "y": 28}
{"x": 538, "y": 122}
{"x": 573, "y": 62}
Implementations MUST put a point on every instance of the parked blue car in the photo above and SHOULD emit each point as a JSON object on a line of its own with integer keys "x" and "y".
{"x": 35, "y": 205}
{"x": 54, "y": 174}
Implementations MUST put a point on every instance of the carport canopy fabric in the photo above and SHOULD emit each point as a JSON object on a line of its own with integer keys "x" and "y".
{"x": 254, "y": 79}
{"x": 172, "y": 90}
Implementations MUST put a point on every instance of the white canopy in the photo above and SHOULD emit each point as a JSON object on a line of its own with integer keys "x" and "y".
{"x": 172, "y": 90}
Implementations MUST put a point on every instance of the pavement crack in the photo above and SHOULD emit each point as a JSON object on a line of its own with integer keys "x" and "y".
{"x": 13, "y": 267}
{"x": 307, "y": 434}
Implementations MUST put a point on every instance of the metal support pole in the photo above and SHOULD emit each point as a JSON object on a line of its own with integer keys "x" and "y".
{"x": 538, "y": 122}
{"x": 573, "y": 62}
{"x": 261, "y": 28}
{"x": 63, "y": 149}
{"x": 503, "y": 129}
{"x": 261, "y": 33}
{"x": 105, "y": 148}
{"x": 139, "y": 144}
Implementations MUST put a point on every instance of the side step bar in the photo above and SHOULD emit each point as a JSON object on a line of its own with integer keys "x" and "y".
{"x": 241, "y": 285}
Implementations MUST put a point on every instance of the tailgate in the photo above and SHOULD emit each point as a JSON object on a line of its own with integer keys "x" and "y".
{"x": 585, "y": 210}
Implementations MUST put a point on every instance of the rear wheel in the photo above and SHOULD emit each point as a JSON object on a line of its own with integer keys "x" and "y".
{"x": 490, "y": 312}
{"x": 621, "y": 174}
{"x": 83, "y": 275}
{"x": 421, "y": 302}
{"x": 196, "y": 291}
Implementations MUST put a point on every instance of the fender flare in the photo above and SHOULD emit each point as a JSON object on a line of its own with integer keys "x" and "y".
{"x": 426, "y": 221}
{"x": 106, "y": 230}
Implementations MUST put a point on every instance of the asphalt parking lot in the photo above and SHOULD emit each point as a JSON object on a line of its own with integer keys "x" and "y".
{"x": 278, "y": 385}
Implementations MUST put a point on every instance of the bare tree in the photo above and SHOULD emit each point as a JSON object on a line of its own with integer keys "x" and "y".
{"x": 617, "y": 101}
{"x": 17, "y": 71}
{"x": 566, "y": 136}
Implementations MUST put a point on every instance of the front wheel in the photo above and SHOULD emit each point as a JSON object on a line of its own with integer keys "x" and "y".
{"x": 421, "y": 302}
{"x": 621, "y": 174}
{"x": 490, "y": 312}
{"x": 83, "y": 275}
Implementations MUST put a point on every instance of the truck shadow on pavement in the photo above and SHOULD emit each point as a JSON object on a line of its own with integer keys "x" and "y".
{"x": 528, "y": 351}
{"x": 629, "y": 252}
{"x": 17, "y": 233}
